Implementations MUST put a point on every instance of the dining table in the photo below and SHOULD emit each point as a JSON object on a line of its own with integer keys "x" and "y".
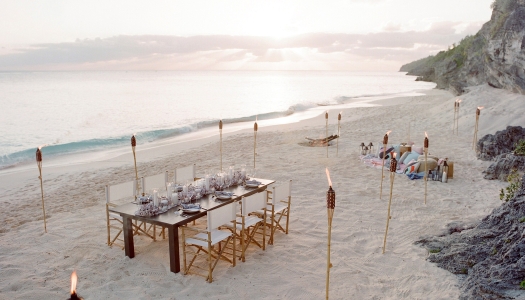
{"x": 173, "y": 219}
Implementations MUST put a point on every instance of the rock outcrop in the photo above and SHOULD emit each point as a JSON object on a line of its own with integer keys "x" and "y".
{"x": 495, "y": 55}
{"x": 504, "y": 165}
{"x": 490, "y": 256}
{"x": 502, "y": 142}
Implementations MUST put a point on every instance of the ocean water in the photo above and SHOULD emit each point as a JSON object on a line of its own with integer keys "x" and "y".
{"x": 71, "y": 112}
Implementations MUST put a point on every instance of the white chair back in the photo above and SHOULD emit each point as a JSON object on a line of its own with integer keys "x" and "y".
{"x": 253, "y": 203}
{"x": 281, "y": 192}
{"x": 121, "y": 191}
{"x": 185, "y": 173}
{"x": 220, "y": 216}
{"x": 155, "y": 181}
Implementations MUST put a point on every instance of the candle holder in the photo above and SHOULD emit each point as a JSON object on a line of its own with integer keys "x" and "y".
{"x": 330, "y": 207}
{"x": 393, "y": 168}
{"x": 39, "y": 164}
{"x": 385, "y": 142}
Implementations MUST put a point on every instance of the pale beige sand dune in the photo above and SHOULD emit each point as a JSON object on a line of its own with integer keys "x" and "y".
{"x": 35, "y": 264}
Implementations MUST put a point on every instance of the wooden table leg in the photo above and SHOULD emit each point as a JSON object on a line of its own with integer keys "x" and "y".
{"x": 173, "y": 232}
{"x": 128, "y": 237}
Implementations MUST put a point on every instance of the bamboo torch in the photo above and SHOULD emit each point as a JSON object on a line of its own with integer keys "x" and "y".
{"x": 457, "y": 118}
{"x": 255, "y": 128}
{"x": 338, "y": 132}
{"x": 393, "y": 167}
{"x": 455, "y": 112}
{"x": 385, "y": 142}
{"x": 326, "y": 136}
{"x": 133, "y": 145}
{"x": 39, "y": 164}
{"x": 330, "y": 206}
{"x": 425, "y": 145}
{"x": 220, "y": 143}
{"x": 475, "y": 138}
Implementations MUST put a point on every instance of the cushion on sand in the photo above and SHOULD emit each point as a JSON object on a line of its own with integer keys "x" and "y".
{"x": 417, "y": 149}
{"x": 422, "y": 157}
{"x": 411, "y": 156}
{"x": 402, "y": 158}
{"x": 432, "y": 164}
{"x": 412, "y": 168}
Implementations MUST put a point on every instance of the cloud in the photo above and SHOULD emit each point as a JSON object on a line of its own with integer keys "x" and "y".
{"x": 313, "y": 50}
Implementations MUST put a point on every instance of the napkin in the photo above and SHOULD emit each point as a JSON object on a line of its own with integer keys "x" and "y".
{"x": 253, "y": 182}
{"x": 226, "y": 194}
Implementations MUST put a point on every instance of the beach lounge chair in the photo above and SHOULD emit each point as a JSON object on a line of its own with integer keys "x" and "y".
{"x": 155, "y": 182}
{"x": 210, "y": 243}
{"x": 185, "y": 173}
{"x": 278, "y": 208}
{"x": 249, "y": 225}
{"x": 126, "y": 190}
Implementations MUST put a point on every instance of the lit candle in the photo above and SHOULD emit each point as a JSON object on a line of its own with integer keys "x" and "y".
{"x": 74, "y": 295}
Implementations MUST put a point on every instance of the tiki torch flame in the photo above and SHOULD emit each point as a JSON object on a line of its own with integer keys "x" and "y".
{"x": 385, "y": 138}
{"x": 74, "y": 282}
{"x": 426, "y": 140}
{"x": 328, "y": 176}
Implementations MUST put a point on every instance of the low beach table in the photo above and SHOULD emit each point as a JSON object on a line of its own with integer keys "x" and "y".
{"x": 172, "y": 221}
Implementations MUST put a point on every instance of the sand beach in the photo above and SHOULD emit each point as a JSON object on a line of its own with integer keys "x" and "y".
{"x": 34, "y": 264}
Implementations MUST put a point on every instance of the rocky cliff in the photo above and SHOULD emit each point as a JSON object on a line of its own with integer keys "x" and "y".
{"x": 495, "y": 55}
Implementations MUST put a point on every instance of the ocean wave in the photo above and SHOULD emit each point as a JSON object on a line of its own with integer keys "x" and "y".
{"x": 53, "y": 150}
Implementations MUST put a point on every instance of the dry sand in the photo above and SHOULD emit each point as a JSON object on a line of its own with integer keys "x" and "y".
{"x": 34, "y": 264}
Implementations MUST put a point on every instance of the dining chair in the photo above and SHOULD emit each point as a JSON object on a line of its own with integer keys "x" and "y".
{"x": 126, "y": 190}
{"x": 278, "y": 207}
{"x": 185, "y": 173}
{"x": 210, "y": 243}
{"x": 248, "y": 225}
{"x": 157, "y": 181}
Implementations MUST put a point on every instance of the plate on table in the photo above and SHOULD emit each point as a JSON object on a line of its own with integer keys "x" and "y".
{"x": 252, "y": 183}
{"x": 223, "y": 195}
{"x": 191, "y": 208}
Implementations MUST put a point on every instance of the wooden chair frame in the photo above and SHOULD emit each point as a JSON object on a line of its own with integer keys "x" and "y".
{"x": 213, "y": 254}
{"x": 110, "y": 220}
{"x": 275, "y": 216}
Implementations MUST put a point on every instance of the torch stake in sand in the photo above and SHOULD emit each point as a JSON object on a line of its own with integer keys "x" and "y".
{"x": 133, "y": 145}
{"x": 385, "y": 142}
{"x": 425, "y": 144}
{"x": 475, "y": 138}
{"x": 330, "y": 207}
{"x": 39, "y": 163}
{"x": 393, "y": 167}
{"x": 326, "y": 136}
{"x": 457, "y": 117}
{"x": 255, "y": 128}
{"x": 338, "y": 132}
{"x": 455, "y": 112}
{"x": 220, "y": 143}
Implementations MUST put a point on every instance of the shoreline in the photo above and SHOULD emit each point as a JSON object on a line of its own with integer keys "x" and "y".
{"x": 35, "y": 263}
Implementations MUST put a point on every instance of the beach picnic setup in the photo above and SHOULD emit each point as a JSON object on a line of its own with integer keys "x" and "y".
{"x": 262, "y": 150}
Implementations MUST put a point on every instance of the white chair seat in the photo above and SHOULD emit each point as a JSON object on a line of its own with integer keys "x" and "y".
{"x": 248, "y": 221}
{"x": 216, "y": 236}
{"x": 115, "y": 216}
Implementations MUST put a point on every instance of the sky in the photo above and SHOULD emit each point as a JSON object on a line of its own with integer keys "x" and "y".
{"x": 352, "y": 35}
